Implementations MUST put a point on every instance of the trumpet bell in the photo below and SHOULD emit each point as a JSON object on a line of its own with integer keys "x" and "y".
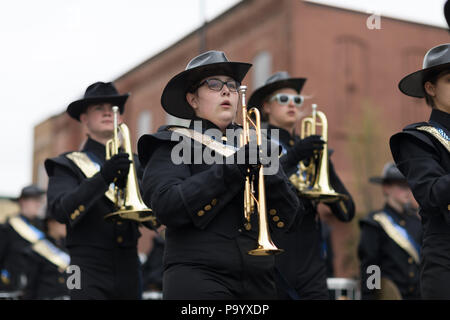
{"x": 265, "y": 250}
{"x": 327, "y": 196}
{"x": 133, "y": 213}
{"x": 313, "y": 181}
{"x": 128, "y": 200}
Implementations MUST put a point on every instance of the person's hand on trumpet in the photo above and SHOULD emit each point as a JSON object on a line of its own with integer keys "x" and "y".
{"x": 116, "y": 169}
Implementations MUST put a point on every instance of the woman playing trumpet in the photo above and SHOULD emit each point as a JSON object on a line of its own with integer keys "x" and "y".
{"x": 301, "y": 270}
{"x": 200, "y": 201}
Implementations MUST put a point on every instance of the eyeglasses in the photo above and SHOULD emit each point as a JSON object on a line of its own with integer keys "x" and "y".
{"x": 217, "y": 84}
{"x": 284, "y": 98}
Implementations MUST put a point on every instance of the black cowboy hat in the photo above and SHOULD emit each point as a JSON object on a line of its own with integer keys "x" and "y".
{"x": 390, "y": 174}
{"x": 210, "y": 63}
{"x": 277, "y": 81}
{"x": 435, "y": 60}
{"x": 30, "y": 191}
{"x": 95, "y": 93}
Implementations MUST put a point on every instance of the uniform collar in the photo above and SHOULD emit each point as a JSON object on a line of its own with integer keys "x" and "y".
{"x": 206, "y": 125}
{"x": 36, "y": 222}
{"x": 394, "y": 213}
{"x": 441, "y": 117}
{"x": 95, "y": 147}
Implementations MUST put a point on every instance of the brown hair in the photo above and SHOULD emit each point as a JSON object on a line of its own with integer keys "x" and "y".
{"x": 433, "y": 77}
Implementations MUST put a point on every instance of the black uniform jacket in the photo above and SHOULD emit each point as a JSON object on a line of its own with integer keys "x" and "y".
{"x": 45, "y": 280}
{"x": 202, "y": 204}
{"x": 13, "y": 258}
{"x": 302, "y": 265}
{"x": 421, "y": 152}
{"x": 383, "y": 249}
{"x": 81, "y": 204}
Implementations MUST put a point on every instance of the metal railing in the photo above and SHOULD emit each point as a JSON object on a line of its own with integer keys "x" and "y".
{"x": 344, "y": 289}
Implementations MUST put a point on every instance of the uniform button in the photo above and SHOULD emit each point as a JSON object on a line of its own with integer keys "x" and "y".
{"x": 208, "y": 207}
{"x": 291, "y": 142}
{"x": 248, "y": 226}
{"x": 200, "y": 213}
{"x": 240, "y": 230}
{"x": 81, "y": 208}
{"x": 411, "y": 274}
{"x": 61, "y": 280}
{"x": 73, "y": 216}
{"x": 410, "y": 260}
{"x": 280, "y": 224}
{"x": 119, "y": 223}
{"x": 276, "y": 218}
{"x": 214, "y": 202}
{"x": 272, "y": 212}
{"x": 411, "y": 289}
{"x": 402, "y": 223}
{"x": 119, "y": 239}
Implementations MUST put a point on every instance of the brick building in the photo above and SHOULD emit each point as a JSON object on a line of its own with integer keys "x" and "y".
{"x": 352, "y": 74}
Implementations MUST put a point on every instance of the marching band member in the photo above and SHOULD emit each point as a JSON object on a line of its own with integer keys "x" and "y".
{"x": 46, "y": 277}
{"x": 390, "y": 239}
{"x": 17, "y": 235}
{"x": 421, "y": 152}
{"x": 104, "y": 251}
{"x": 301, "y": 270}
{"x": 201, "y": 202}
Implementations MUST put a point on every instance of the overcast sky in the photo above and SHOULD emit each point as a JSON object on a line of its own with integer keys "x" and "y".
{"x": 52, "y": 50}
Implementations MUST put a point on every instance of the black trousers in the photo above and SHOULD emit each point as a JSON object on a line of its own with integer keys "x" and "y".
{"x": 107, "y": 274}
{"x": 242, "y": 277}
{"x": 435, "y": 278}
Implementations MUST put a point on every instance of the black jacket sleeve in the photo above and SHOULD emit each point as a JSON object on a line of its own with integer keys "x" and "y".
{"x": 68, "y": 197}
{"x": 344, "y": 210}
{"x": 176, "y": 196}
{"x": 420, "y": 164}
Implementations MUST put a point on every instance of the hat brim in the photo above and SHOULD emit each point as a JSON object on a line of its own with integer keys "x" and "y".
{"x": 173, "y": 98}
{"x": 412, "y": 84}
{"x": 76, "y": 108}
{"x": 381, "y": 180}
{"x": 29, "y": 195}
{"x": 258, "y": 97}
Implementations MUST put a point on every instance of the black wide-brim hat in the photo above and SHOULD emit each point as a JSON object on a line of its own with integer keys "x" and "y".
{"x": 31, "y": 191}
{"x": 390, "y": 174}
{"x": 210, "y": 63}
{"x": 98, "y": 92}
{"x": 436, "y": 59}
{"x": 278, "y": 80}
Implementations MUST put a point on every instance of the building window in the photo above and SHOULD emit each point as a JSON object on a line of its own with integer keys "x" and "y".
{"x": 262, "y": 68}
{"x": 145, "y": 124}
{"x": 351, "y": 70}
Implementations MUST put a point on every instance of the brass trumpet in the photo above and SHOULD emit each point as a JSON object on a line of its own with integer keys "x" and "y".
{"x": 313, "y": 180}
{"x": 128, "y": 200}
{"x": 265, "y": 244}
